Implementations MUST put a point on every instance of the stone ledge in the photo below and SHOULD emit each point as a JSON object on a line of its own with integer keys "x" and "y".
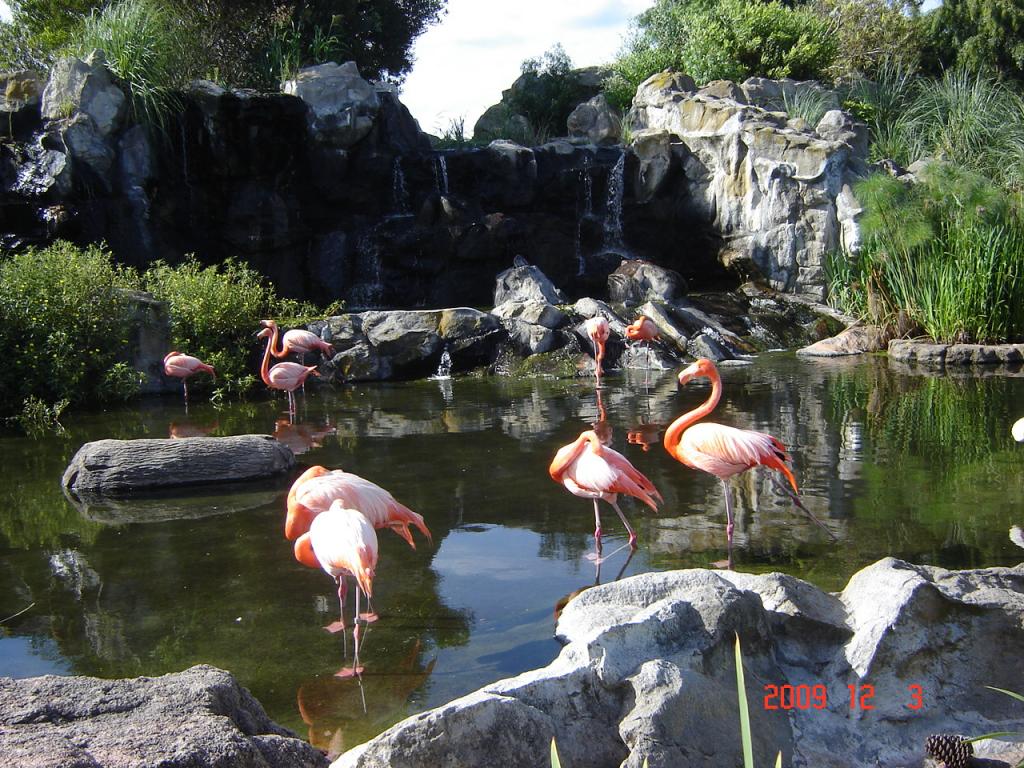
{"x": 932, "y": 355}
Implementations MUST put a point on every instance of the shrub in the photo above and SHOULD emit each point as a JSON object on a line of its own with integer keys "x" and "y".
{"x": 546, "y": 92}
{"x": 724, "y": 39}
{"x": 214, "y": 313}
{"x": 65, "y": 319}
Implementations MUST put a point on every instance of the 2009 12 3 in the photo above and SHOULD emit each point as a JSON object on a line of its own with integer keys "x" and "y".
{"x": 816, "y": 696}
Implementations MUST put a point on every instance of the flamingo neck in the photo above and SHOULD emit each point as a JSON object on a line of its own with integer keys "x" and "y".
{"x": 674, "y": 433}
{"x": 265, "y": 365}
{"x": 275, "y": 350}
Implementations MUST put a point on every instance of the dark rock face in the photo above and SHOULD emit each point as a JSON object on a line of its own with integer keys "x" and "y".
{"x": 119, "y": 467}
{"x": 199, "y": 717}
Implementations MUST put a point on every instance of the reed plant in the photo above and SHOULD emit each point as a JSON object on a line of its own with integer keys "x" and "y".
{"x": 946, "y": 253}
{"x": 808, "y": 103}
{"x": 146, "y": 48}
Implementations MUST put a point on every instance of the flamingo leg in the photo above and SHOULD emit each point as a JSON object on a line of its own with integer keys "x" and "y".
{"x": 597, "y": 523}
{"x": 355, "y": 634}
{"x": 797, "y": 501}
{"x": 339, "y": 625}
{"x": 625, "y": 522}
{"x": 185, "y": 384}
{"x": 728, "y": 511}
{"x": 597, "y": 365}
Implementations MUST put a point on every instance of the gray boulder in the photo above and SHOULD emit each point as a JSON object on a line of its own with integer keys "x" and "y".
{"x": 341, "y": 105}
{"x": 648, "y": 673}
{"x": 852, "y": 341}
{"x": 636, "y": 281}
{"x": 20, "y": 100}
{"x": 84, "y": 86}
{"x": 525, "y": 284}
{"x": 595, "y": 122}
{"x": 199, "y": 717}
{"x": 120, "y": 467}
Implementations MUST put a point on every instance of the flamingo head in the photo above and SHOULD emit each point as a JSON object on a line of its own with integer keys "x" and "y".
{"x": 265, "y": 333}
{"x": 634, "y": 331}
{"x": 702, "y": 368}
{"x": 598, "y": 329}
{"x": 268, "y": 324}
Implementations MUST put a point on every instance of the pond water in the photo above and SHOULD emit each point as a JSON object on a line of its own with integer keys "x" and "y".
{"x": 894, "y": 463}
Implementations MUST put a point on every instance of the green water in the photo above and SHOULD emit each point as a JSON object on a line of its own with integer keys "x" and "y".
{"x": 894, "y": 464}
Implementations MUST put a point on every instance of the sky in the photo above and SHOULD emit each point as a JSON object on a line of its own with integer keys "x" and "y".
{"x": 463, "y": 63}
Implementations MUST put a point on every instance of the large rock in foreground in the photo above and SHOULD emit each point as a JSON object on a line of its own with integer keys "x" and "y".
{"x": 199, "y": 717}
{"x": 648, "y": 673}
{"x": 120, "y": 467}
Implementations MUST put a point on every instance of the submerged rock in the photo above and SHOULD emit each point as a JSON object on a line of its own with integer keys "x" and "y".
{"x": 199, "y": 717}
{"x": 120, "y": 467}
{"x": 648, "y": 673}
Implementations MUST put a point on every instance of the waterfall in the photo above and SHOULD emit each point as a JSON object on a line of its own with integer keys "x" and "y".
{"x": 441, "y": 175}
{"x": 613, "y": 209}
{"x": 587, "y": 210}
{"x": 444, "y": 368}
{"x": 368, "y": 288}
{"x": 399, "y": 192}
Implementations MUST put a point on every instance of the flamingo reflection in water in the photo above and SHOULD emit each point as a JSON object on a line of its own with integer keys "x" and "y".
{"x": 300, "y": 437}
{"x": 564, "y": 601}
{"x": 341, "y": 713}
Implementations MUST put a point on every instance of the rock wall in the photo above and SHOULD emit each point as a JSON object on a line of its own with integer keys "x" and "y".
{"x": 331, "y": 190}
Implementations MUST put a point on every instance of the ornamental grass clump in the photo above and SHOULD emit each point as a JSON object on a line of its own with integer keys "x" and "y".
{"x": 65, "y": 322}
{"x": 944, "y": 255}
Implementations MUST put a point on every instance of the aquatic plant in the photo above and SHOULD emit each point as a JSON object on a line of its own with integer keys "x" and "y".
{"x": 944, "y": 254}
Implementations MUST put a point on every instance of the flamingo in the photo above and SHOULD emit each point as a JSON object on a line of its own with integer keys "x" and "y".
{"x": 721, "y": 450}
{"x": 344, "y": 543}
{"x": 598, "y": 330}
{"x": 284, "y": 376}
{"x": 318, "y": 488}
{"x": 296, "y": 341}
{"x": 181, "y": 366}
{"x": 644, "y": 329}
{"x": 592, "y": 470}
{"x": 1018, "y": 430}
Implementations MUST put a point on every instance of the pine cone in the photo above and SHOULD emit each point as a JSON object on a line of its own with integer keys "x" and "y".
{"x": 953, "y": 751}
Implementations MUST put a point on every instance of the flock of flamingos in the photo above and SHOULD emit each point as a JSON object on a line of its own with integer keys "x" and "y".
{"x": 332, "y": 515}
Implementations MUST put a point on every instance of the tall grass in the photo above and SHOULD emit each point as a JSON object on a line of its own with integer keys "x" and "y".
{"x": 947, "y": 252}
{"x": 808, "y": 103}
{"x": 146, "y": 49}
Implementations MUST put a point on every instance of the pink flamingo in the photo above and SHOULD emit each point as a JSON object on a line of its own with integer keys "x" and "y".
{"x": 644, "y": 329}
{"x": 182, "y": 366}
{"x": 342, "y": 541}
{"x": 592, "y": 470}
{"x": 598, "y": 330}
{"x": 296, "y": 341}
{"x": 284, "y": 376}
{"x": 318, "y": 488}
{"x": 724, "y": 451}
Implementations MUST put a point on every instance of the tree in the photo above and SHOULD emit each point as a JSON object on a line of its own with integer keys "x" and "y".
{"x": 981, "y": 35}
{"x": 546, "y": 91}
{"x": 870, "y": 34}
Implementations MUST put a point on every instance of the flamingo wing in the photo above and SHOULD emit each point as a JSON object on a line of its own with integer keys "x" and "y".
{"x": 289, "y": 376}
{"x": 725, "y": 451}
{"x": 304, "y": 341}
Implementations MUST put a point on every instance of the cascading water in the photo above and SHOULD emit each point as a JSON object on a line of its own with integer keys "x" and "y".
{"x": 441, "y": 175}
{"x": 368, "y": 289}
{"x": 587, "y": 208}
{"x": 613, "y": 208}
{"x": 444, "y": 368}
{"x": 399, "y": 192}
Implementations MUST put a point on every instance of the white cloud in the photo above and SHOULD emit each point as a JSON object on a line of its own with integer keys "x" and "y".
{"x": 5, "y": 11}
{"x": 463, "y": 64}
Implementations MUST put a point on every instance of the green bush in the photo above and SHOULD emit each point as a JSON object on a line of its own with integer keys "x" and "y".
{"x": 65, "y": 318}
{"x": 214, "y": 313}
{"x": 946, "y": 253}
{"x": 546, "y": 92}
{"x": 724, "y": 39}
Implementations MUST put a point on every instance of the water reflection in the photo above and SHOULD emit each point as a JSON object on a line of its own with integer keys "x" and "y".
{"x": 894, "y": 463}
{"x": 302, "y": 437}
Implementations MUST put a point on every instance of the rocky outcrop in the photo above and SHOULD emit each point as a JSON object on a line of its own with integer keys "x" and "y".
{"x": 78, "y": 86}
{"x": 342, "y": 105}
{"x": 647, "y": 673}
{"x": 940, "y": 356}
{"x": 853, "y": 341}
{"x": 773, "y": 189}
{"x": 120, "y": 467}
{"x": 199, "y": 717}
